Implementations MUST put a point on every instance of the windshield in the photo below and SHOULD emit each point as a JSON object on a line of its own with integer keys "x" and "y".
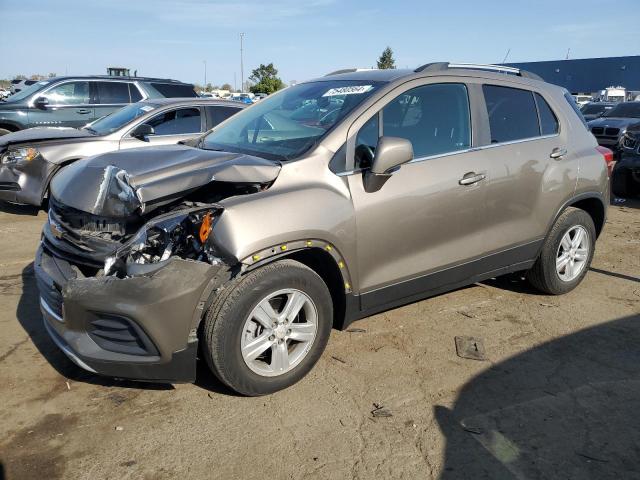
{"x": 116, "y": 120}
{"x": 286, "y": 124}
{"x": 591, "y": 108}
{"x": 26, "y": 91}
{"x": 625, "y": 110}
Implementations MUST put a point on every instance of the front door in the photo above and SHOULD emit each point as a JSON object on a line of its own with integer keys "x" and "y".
{"x": 69, "y": 105}
{"x": 427, "y": 221}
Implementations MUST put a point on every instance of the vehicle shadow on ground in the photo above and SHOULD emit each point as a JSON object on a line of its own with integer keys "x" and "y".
{"x": 565, "y": 409}
{"x": 514, "y": 282}
{"x": 29, "y": 316}
{"x": 26, "y": 210}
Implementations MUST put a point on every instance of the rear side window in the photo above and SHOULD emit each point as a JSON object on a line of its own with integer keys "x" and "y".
{"x": 572, "y": 103}
{"x": 512, "y": 113}
{"x": 174, "y": 90}
{"x": 220, "y": 114}
{"x": 134, "y": 93}
{"x": 548, "y": 121}
{"x": 176, "y": 122}
{"x": 110, "y": 93}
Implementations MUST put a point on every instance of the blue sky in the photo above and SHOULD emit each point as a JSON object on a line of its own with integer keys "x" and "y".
{"x": 303, "y": 38}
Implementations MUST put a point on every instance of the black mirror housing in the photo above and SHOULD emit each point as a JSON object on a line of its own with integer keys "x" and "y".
{"x": 142, "y": 131}
{"x": 41, "y": 102}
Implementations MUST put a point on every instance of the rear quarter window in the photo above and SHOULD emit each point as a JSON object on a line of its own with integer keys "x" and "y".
{"x": 548, "y": 121}
{"x": 574, "y": 106}
{"x": 174, "y": 90}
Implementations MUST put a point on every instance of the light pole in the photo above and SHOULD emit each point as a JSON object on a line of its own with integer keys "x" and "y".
{"x": 241, "y": 65}
{"x": 204, "y": 86}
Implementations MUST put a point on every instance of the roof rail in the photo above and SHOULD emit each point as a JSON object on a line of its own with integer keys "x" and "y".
{"x": 442, "y": 66}
{"x": 348, "y": 70}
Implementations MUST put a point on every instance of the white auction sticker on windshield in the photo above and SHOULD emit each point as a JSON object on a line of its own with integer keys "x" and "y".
{"x": 350, "y": 90}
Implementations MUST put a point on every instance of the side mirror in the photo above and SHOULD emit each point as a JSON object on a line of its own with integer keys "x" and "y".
{"x": 41, "y": 102}
{"x": 142, "y": 131}
{"x": 391, "y": 153}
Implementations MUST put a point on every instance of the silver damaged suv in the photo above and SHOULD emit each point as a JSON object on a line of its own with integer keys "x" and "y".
{"x": 324, "y": 203}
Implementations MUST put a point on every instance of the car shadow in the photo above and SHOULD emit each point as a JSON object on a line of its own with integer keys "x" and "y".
{"x": 26, "y": 210}
{"x": 565, "y": 409}
{"x": 514, "y": 282}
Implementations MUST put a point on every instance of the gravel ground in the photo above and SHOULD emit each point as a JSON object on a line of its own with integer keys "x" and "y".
{"x": 557, "y": 396}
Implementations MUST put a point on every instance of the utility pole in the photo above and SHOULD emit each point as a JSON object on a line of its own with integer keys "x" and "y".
{"x": 241, "y": 65}
{"x": 204, "y": 86}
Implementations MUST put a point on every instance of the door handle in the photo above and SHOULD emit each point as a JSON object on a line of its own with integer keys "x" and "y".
{"x": 558, "y": 153}
{"x": 471, "y": 178}
{"x": 83, "y": 111}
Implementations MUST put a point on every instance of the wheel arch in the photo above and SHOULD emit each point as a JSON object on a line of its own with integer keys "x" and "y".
{"x": 11, "y": 126}
{"x": 58, "y": 167}
{"x": 592, "y": 203}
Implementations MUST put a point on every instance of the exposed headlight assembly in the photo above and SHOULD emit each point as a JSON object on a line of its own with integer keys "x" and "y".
{"x": 19, "y": 155}
{"x": 183, "y": 233}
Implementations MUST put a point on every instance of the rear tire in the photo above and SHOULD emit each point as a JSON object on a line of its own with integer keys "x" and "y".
{"x": 226, "y": 336}
{"x": 4, "y": 131}
{"x": 620, "y": 183}
{"x": 549, "y": 274}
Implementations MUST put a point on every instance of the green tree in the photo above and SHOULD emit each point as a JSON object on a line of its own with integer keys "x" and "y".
{"x": 386, "y": 60}
{"x": 226, "y": 86}
{"x": 266, "y": 79}
{"x": 208, "y": 88}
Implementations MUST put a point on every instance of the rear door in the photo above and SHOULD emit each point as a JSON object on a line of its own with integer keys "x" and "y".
{"x": 69, "y": 106}
{"x": 417, "y": 231}
{"x": 170, "y": 126}
{"x": 110, "y": 96}
{"x": 525, "y": 185}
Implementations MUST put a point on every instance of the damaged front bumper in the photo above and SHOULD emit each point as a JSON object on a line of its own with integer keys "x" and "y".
{"x": 142, "y": 327}
{"x": 25, "y": 183}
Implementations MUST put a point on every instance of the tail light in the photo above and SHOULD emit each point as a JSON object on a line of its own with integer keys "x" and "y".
{"x": 607, "y": 155}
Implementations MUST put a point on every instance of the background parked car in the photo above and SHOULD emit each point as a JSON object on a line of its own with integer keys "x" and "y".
{"x": 76, "y": 101}
{"x": 30, "y": 158}
{"x": 592, "y": 110}
{"x": 18, "y": 85}
{"x": 626, "y": 173}
{"x": 612, "y": 125}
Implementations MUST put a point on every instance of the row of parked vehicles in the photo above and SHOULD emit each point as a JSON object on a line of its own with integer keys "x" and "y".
{"x": 326, "y": 202}
{"x": 616, "y": 126}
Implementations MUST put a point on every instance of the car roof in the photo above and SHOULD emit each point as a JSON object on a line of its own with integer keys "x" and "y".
{"x": 192, "y": 101}
{"x": 111, "y": 77}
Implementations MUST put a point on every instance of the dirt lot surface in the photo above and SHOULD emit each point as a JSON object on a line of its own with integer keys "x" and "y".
{"x": 557, "y": 397}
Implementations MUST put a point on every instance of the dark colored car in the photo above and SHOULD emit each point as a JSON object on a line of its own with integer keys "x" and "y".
{"x": 76, "y": 101}
{"x": 592, "y": 110}
{"x": 30, "y": 158}
{"x": 626, "y": 173}
{"x": 612, "y": 125}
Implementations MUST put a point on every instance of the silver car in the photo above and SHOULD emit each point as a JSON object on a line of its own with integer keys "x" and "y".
{"x": 30, "y": 158}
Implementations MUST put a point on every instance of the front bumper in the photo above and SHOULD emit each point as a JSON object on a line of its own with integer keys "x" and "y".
{"x": 25, "y": 183}
{"x": 141, "y": 328}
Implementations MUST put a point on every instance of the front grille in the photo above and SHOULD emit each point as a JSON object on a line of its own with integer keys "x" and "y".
{"x": 611, "y": 132}
{"x": 121, "y": 335}
{"x": 597, "y": 130}
{"x": 51, "y": 296}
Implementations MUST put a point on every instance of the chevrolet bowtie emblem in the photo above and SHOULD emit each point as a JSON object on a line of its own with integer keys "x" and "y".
{"x": 55, "y": 229}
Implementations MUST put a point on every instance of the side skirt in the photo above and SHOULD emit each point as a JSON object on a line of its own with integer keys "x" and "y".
{"x": 508, "y": 261}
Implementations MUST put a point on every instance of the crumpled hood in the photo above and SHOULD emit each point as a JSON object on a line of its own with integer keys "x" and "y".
{"x": 613, "y": 122}
{"x": 115, "y": 184}
{"x": 39, "y": 134}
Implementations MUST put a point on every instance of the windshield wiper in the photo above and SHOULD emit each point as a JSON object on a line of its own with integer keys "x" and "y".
{"x": 90, "y": 130}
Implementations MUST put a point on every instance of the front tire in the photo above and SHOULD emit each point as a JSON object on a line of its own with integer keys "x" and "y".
{"x": 266, "y": 330}
{"x": 566, "y": 253}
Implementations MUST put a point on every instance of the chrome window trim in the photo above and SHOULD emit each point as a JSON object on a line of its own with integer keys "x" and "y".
{"x": 458, "y": 152}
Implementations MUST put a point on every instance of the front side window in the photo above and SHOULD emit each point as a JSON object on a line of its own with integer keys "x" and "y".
{"x": 176, "y": 122}
{"x": 220, "y": 114}
{"x": 69, "y": 93}
{"x": 434, "y": 118}
{"x": 290, "y": 122}
{"x": 110, "y": 93}
{"x": 548, "y": 121}
{"x": 512, "y": 113}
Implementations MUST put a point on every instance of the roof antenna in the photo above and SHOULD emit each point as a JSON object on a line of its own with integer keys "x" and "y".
{"x": 506, "y": 56}
{"x": 568, "y": 50}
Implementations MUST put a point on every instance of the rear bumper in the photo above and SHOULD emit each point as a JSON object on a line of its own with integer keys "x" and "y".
{"x": 140, "y": 328}
{"x": 25, "y": 183}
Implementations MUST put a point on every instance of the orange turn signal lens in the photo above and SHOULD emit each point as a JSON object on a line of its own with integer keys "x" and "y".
{"x": 205, "y": 227}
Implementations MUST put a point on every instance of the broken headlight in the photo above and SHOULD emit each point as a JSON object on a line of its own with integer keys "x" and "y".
{"x": 183, "y": 233}
{"x": 19, "y": 155}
